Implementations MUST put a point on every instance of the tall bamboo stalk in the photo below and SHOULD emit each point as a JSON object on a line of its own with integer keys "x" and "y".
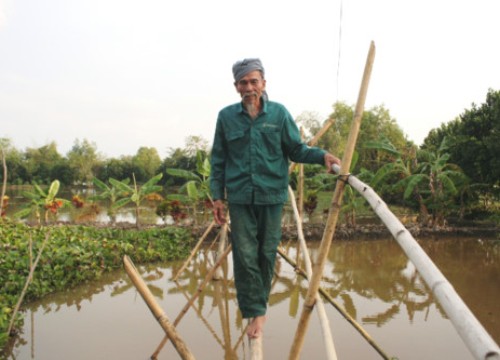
{"x": 337, "y": 306}
{"x": 479, "y": 342}
{"x": 157, "y": 311}
{"x": 329, "y": 231}
{"x": 325, "y": 325}
{"x": 195, "y": 249}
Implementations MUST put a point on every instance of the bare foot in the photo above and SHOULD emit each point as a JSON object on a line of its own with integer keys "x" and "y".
{"x": 256, "y": 327}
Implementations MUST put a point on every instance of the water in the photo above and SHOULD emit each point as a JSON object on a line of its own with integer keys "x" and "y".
{"x": 372, "y": 280}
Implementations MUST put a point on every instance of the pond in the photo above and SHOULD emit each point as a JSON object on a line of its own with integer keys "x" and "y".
{"x": 371, "y": 279}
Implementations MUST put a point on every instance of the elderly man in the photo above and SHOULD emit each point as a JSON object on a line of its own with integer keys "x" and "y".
{"x": 253, "y": 143}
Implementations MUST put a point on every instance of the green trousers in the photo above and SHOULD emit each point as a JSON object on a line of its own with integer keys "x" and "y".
{"x": 255, "y": 236}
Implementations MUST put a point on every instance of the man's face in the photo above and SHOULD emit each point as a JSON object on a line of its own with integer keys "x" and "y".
{"x": 251, "y": 87}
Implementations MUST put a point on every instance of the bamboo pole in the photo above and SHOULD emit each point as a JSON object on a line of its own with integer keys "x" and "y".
{"x": 479, "y": 342}
{"x": 224, "y": 320}
{"x": 203, "y": 319}
{"x": 157, "y": 311}
{"x": 329, "y": 231}
{"x": 28, "y": 280}
{"x": 200, "y": 315}
{"x": 325, "y": 326}
{"x": 222, "y": 244}
{"x": 195, "y": 249}
{"x": 256, "y": 348}
{"x": 337, "y": 306}
{"x": 208, "y": 277}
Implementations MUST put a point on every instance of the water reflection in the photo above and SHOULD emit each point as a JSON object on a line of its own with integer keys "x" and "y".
{"x": 372, "y": 280}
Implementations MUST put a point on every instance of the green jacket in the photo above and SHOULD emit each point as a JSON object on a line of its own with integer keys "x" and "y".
{"x": 250, "y": 157}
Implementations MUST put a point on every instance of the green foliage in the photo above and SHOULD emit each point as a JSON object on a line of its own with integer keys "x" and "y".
{"x": 197, "y": 186}
{"x": 83, "y": 158}
{"x": 474, "y": 141}
{"x": 110, "y": 193}
{"x": 426, "y": 177}
{"x": 135, "y": 194}
{"x": 146, "y": 163}
{"x": 75, "y": 254}
{"x": 41, "y": 200}
{"x": 376, "y": 125}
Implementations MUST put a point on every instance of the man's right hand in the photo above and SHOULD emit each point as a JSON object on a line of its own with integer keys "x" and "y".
{"x": 219, "y": 212}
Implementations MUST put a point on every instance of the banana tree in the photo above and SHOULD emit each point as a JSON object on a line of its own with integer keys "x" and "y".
{"x": 110, "y": 193}
{"x": 441, "y": 178}
{"x": 42, "y": 201}
{"x": 431, "y": 182}
{"x": 197, "y": 186}
{"x": 135, "y": 193}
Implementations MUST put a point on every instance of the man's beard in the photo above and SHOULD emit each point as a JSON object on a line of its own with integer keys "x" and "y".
{"x": 250, "y": 105}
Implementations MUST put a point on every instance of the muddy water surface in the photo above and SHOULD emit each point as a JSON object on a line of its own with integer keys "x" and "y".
{"x": 372, "y": 280}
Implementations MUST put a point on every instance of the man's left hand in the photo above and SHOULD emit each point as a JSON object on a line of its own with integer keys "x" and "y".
{"x": 330, "y": 160}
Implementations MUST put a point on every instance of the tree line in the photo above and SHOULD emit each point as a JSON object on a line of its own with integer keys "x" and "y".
{"x": 455, "y": 171}
{"x": 83, "y": 163}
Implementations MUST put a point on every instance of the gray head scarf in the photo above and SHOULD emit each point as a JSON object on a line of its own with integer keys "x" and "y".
{"x": 245, "y": 66}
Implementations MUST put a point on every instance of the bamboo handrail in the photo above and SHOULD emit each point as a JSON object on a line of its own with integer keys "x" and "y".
{"x": 479, "y": 342}
{"x": 157, "y": 311}
{"x": 333, "y": 214}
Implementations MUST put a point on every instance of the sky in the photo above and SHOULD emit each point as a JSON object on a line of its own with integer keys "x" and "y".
{"x": 124, "y": 74}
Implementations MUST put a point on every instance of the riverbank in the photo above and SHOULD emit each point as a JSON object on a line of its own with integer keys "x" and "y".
{"x": 314, "y": 231}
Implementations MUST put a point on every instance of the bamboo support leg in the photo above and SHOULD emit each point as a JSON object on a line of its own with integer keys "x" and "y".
{"x": 190, "y": 302}
{"x": 256, "y": 349}
{"x": 157, "y": 311}
{"x": 195, "y": 249}
{"x": 325, "y": 326}
{"x": 222, "y": 244}
{"x": 208, "y": 277}
{"x": 337, "y": 306}
{"x": 329, "y": 231}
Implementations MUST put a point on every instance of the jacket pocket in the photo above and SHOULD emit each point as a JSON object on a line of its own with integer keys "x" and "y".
{"x": 234, "y": 135}
{"x": 237, "y": 143}
{"x": 271, "y": 142}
